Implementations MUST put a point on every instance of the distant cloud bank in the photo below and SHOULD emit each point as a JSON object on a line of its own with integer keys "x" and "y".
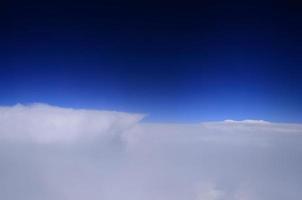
{"x": 48, "y": 152}
{"x": 250, "y": 121}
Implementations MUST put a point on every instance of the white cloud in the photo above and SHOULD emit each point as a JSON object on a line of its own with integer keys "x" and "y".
{"x": 247, "y": 121}
{"x": 45, "y": 123}
{"x": 240, "y": 160}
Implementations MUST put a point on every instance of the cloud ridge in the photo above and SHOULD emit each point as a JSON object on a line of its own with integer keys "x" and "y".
{"x": 45, "y": 123}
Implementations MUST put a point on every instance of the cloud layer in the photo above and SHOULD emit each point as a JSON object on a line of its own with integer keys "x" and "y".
{"x": 51, "y": 153}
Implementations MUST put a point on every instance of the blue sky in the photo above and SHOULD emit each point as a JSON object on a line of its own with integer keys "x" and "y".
{"x": 220, "y": 82}
{"x": 176, "y": 62}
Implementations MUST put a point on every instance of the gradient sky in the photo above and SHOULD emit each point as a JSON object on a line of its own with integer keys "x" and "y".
{"x": 177, "y": 62}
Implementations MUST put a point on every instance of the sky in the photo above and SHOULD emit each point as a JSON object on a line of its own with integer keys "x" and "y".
{"x": 144, "y": 100}
{"x": 179, "y": 62}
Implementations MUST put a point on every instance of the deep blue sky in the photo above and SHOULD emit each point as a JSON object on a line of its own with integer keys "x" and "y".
{"x": 178, "y": 62}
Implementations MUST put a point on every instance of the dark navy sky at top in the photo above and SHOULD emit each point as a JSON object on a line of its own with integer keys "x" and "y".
{"x": 178, "y": 62}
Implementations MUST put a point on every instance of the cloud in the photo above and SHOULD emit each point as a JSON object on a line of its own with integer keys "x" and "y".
{"x": 45, "y": 123}
{"x": 239, "y": 160}
{"x": 247, "y": 121}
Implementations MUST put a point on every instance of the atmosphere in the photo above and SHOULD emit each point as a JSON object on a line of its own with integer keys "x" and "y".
{"x": 151, "y": 100}
{"x": 174, "y": 61}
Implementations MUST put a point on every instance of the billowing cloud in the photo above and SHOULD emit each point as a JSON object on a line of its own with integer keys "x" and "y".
{"x": 45, "y": 123}
{"x": 239, "y": 160}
